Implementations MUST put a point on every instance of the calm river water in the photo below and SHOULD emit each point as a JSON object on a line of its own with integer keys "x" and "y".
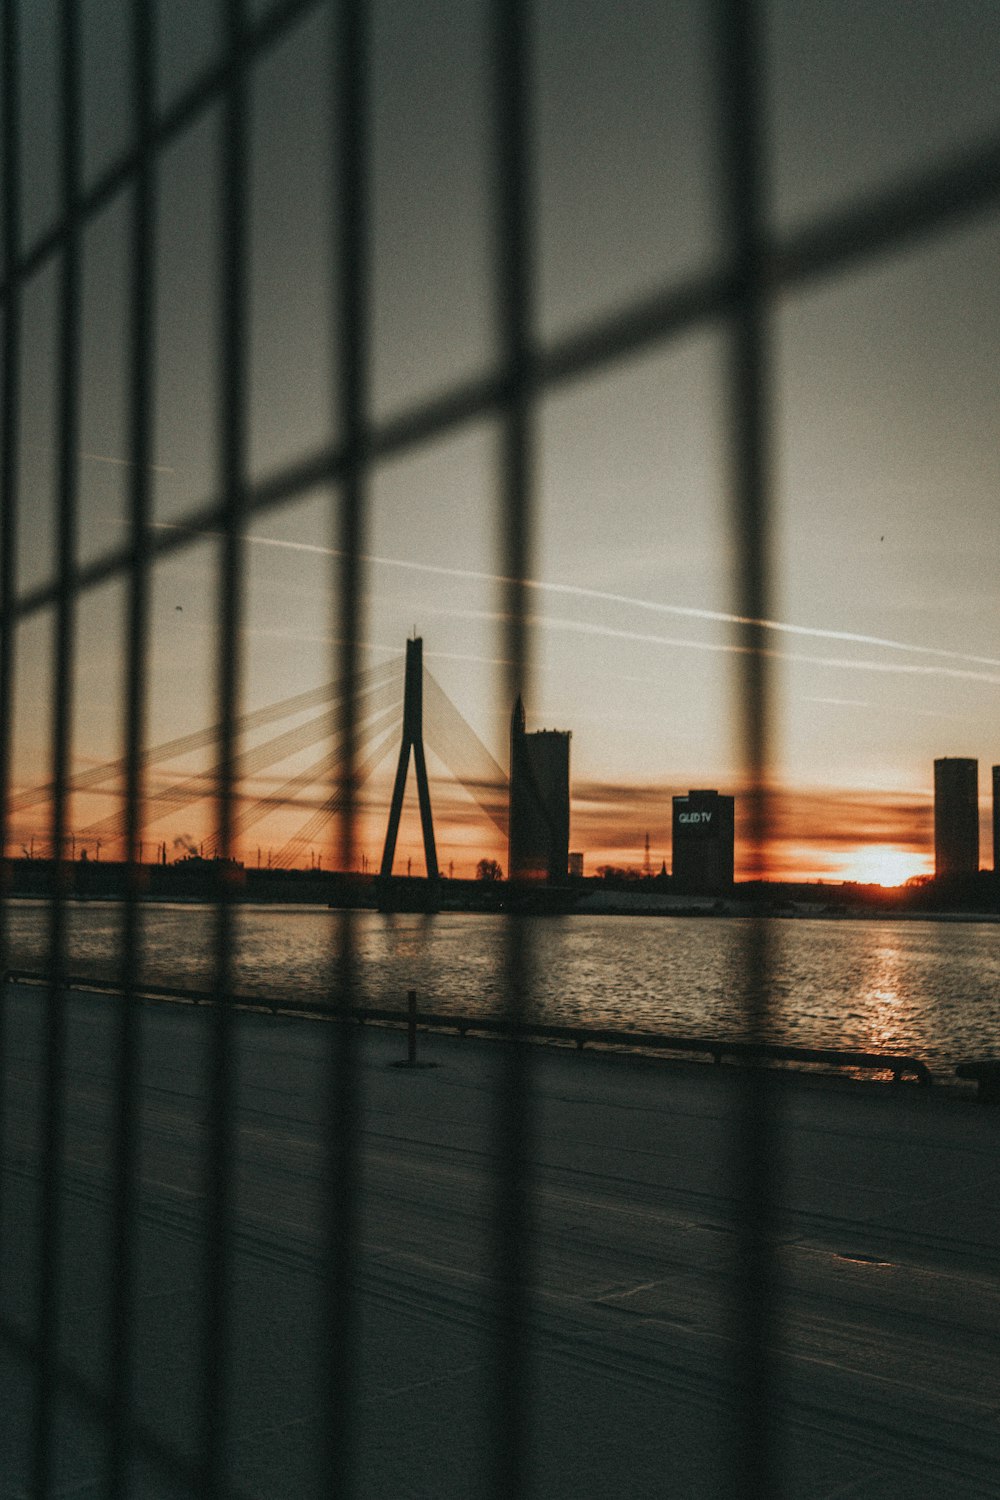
{"x": 931, "y": 989}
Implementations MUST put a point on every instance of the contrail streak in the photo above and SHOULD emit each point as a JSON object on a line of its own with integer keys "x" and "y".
{"x": 125, "y": 463}
{"x": 681, "y": 611}
{"x": 732, "y": 648}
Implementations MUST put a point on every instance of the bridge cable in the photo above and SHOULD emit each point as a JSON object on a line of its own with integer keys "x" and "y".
{"x": 319, "y": 771}
{"x": 335, "y": 802}
{"x": 194, "y": 788}
{"x": 456, "y": 743}
{"x": 271, "y": 713}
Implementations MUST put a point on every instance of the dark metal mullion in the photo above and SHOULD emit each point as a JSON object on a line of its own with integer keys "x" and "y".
{"x": 128, "y": 1062}
{"x": 512, "y": 1226}
{"x": 9, "y": 439}
{"x": 260, "y": 38}
{"x": 221, "y": 1083}
{"x": 89, "y": 1399}
{"x": 854, "y": 237}
{"x": 351, "y": 64}
{"x": 53, "y": 1101}
{"x": 966, "y": 183}
{"x": 755, "y": 1457}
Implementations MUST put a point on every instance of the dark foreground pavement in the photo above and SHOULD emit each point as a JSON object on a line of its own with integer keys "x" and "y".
{"x": 888, "y": 1253}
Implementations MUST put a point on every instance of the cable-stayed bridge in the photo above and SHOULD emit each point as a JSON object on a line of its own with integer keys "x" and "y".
{"x": 384, "y": 721}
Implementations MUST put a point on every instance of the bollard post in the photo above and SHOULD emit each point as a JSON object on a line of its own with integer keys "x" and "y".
{"x": 411, "y": 1026}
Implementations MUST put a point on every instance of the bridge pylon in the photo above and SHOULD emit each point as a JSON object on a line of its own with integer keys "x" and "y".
{"x": 413, "y": 739}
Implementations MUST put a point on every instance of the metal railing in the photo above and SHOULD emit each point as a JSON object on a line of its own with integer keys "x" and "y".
{"x": 718, "y": 1048}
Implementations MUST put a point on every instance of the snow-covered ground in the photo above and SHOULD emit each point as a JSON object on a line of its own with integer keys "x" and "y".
{"x": 888, "y": 1253}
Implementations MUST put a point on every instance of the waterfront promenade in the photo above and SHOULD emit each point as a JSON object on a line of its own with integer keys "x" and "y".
{"x": 888, "y": 1236}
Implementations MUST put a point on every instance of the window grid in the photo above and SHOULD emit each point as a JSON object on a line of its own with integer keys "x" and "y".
{"x": 753, "y": 1450}
{"x": 759, "y": 267}
{"x": 128, "y": 1078}
{"x": 53, "y": 1100}
{"x": 513, "y": 1121}
{"x": 350, "y": 68}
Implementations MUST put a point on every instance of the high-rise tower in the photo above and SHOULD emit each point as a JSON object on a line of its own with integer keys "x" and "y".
{"x": 539, "y": 802}
{"x": 956, "y": 816}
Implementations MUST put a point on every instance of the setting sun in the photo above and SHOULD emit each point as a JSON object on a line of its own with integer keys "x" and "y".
{"x": 882, "y": 864}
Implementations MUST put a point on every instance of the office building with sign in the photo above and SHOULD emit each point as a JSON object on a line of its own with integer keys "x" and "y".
{"x": 704, "y": 839}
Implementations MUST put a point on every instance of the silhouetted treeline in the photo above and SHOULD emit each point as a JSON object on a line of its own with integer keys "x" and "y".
{"x": 195, "y": 879}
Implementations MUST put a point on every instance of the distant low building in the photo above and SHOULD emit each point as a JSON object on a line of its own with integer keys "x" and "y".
{"x": 704, "y": 836}
{"x": 956, "y": 816}
{"x": 576, "y": 864}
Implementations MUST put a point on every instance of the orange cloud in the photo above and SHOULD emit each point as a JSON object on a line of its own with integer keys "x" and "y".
{"x": 812, "y": 831}
{"x": 815, "y": 832}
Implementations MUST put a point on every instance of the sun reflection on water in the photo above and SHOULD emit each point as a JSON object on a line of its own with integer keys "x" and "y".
{"x": 887, "y": 1005}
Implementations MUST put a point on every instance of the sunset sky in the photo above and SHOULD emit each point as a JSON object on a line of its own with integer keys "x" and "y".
{"x": 885, "y": 637}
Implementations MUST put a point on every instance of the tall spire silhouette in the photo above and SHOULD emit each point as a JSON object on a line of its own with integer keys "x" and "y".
{"x": 413, "y": 738}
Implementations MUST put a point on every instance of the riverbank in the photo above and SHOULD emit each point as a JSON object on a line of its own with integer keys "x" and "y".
{"x": 929, "y": 990}
{"x": 972, "y": 898}
{"x": 886, "y": 1240}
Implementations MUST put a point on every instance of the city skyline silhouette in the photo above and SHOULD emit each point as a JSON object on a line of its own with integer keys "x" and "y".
{"x": 288, "y": 810}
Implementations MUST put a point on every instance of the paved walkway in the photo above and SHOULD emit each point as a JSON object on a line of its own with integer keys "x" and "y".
{"x": 888, "y": 1253}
